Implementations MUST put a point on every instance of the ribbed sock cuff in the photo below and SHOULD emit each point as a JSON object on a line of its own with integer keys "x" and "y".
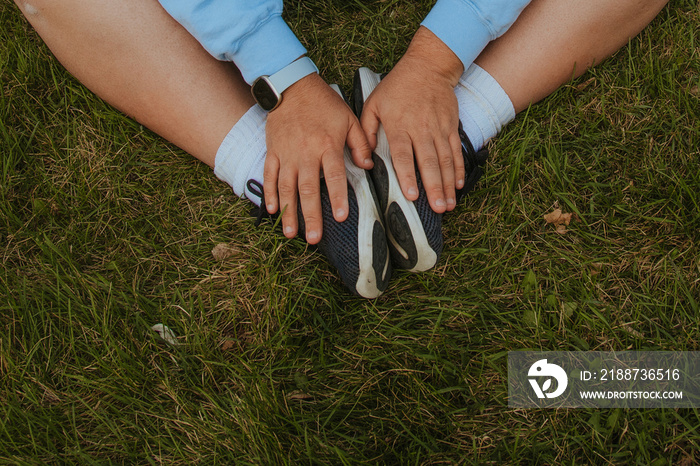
{"x": 241, "y": 155}
{"x": 484, "y": 107}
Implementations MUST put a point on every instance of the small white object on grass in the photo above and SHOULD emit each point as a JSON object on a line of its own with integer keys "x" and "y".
{"x": 166, "y": 334}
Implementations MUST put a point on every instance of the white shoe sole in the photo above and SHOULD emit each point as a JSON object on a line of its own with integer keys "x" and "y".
{"x": 374, "y": 264}
{"x": 411, "y": 249}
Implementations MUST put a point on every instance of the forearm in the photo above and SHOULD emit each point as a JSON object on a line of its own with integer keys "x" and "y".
{"x": 467, "y": 26}
{"x": 428, "y": 54}
{"x": 253, "y": 35}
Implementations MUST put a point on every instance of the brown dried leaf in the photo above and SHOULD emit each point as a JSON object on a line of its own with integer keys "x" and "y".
{"x": 222, "y": 251}
{"x": 559, "y": 219}
{"x": 635, "y": 333}
{"x": 227, "y": 344}
{"x": 585, "y": 84}
{"x": 299, "y": 395}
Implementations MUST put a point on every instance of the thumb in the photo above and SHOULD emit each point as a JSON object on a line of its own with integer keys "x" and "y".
{"x": 370, "y": 125}
{"x": 359, "y": 146}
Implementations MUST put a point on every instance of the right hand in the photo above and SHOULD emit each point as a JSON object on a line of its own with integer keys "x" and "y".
{"x": 416, "y": 105}
{"x": 307, "y": 133}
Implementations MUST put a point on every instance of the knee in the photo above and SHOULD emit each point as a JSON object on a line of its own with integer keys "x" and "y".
{"x": 30, "y": 8}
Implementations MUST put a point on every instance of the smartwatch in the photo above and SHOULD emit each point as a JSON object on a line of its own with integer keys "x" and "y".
{"x": 267, "y": 90}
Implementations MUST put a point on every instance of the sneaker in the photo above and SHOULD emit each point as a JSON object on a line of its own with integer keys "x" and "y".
{"x": 357, "y": 247}
{"x": 474, "y": 162}
{"x": 414, "y": 230}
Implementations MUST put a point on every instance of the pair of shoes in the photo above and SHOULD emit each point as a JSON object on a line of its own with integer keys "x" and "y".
{"x": 357, "y": 247}
{"x": 414, "y": 230}
{"x": 383, "y": 230}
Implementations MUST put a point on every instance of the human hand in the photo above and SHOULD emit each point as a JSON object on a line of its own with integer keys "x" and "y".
{"x": 417, "y": 107}
{"x": 306, "y": 134}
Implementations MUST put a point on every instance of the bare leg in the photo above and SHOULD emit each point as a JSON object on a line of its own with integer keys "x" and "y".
{"x": 555, "y": 40}
{"x": 135, "y": 56}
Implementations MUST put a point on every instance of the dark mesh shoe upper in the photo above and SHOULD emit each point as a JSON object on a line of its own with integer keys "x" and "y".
{"x": 473, "y": 163}
{"x": 338, "y": 244}
{"x": 432, "y": 222}
{"x": 339, "y": 241}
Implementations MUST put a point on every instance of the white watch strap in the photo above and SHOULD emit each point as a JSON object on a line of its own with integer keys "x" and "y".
{"x": 292, "y": 73}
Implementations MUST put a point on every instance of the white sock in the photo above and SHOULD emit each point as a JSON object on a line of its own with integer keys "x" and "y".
{"x": 484, "y": 107}
{"x": 241, "y": 156}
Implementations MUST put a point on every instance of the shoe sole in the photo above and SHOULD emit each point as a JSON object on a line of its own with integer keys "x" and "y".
{"x": 410, "y": 247}
{"x": 373, "y": 252}
{"x": 371, "y": 276}
{"x": 361, "y": 256}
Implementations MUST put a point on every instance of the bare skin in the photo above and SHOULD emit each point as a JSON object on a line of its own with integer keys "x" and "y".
{"x": 136, "y": 57}
{"x": 554, "y": 41}
{"x": 307, "y": 134}
{"x": 551, "y": 42}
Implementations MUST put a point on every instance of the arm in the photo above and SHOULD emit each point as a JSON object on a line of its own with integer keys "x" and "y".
{"x": 240, "y": 31}
{"x": 416, "y": 104}
{"x": 467, "y": 26}
{"x": 306, "y": 134}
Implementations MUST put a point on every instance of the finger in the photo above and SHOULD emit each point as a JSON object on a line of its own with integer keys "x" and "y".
{"x": 287, "y": 188}
{"x": 401, "y": 151}
{"x": 458, "y": 160}
{"x": 270, "y": 173}
{"x": 336, "y": 182}
{"x": 447, "y": 171}
{"x": 359, "y": 146}
{"x": 431, "y": 175}
{"x": 310, "y": 198}
{"x": 370, "y": 125}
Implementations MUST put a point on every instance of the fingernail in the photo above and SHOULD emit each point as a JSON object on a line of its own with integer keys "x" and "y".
{"x": 288, "y": 230}
{"x": 440, "y": 203}
{"x": 460, "y": 184}
{"x": 312, "y": 236}
{"x": 270, "y": 207}
{"x": 412, "y": 192}
{"x": 450, "y": 201}
{"x": 340, "y": 213}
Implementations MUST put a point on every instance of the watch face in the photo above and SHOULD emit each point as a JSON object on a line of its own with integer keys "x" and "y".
{"x": 266, "y": 96}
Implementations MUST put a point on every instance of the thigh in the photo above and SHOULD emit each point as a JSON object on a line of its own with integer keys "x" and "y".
{"x": 555, "y": 40}
{"x": 135, "y": 56}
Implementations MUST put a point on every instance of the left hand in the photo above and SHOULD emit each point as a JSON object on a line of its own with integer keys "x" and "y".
{"x": 417, "y": 107}
{"x": 305, "y": 136}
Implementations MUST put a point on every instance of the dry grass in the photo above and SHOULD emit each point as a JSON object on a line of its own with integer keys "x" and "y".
{"x": 105, "y": 230}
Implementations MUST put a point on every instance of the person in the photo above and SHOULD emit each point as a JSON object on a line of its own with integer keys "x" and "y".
{"x": 184, "y": 69}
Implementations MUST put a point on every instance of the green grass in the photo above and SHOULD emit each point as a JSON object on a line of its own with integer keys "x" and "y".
{"x": 105, "y": 230}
